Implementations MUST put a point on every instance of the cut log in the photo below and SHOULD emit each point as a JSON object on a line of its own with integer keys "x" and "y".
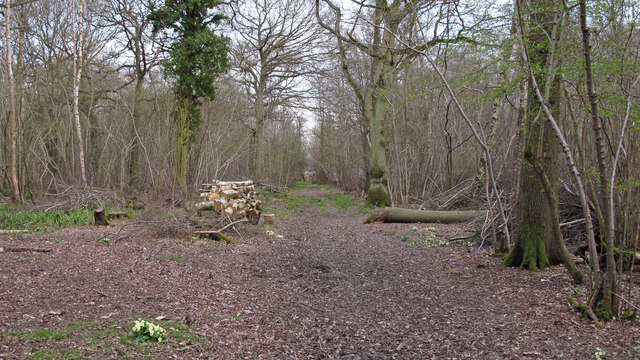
{"x": 116, "y": 215}
{"x": 213, "y": 235}
{"x": 219, "y": 204}
{"x": 205, "y": 205}
{"x": 99, "y": 217}
{"x": 232, "y": 194}
{"x": 392, "y": 215}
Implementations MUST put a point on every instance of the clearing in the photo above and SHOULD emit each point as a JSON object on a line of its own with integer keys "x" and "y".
{"x": 319, "y": 284}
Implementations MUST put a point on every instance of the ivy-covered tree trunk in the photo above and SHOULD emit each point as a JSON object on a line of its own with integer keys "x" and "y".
{"x": 197, "y": 56}
{"x": 182, "y": 140}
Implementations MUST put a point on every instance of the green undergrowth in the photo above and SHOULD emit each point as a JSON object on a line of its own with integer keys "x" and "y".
{"x": 429, "y": 241}
{"x": 285, "y": 205}
{"x": 102, "y": 336}
{"x": 307, "y": 185}
{"x": 13, "y": 217}
{"x": 343, "y": 201}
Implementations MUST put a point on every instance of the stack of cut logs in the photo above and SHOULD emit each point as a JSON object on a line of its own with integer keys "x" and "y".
{"x": 233, "y": 199}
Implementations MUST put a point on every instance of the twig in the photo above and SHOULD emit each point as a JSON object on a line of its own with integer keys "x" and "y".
{"x": 571, "y": 223}
{"x": 625, "y": 300}
{"x": 233, "y": 223}
{"x": 24, "y": 249}
{"x": 101, "y": 293}
{"x": 13, "y": 231}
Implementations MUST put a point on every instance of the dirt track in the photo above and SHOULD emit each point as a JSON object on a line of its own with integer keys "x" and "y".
{"x": 332, "y": 287}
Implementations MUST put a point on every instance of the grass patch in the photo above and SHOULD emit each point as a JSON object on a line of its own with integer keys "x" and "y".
{"x": 343, "y": 201}
{"x": 286, "y": 205}
{"x": 13, "y": 217}
{"x": 176, "y": 258}
{"x": 103, "y": 337}
{"x": 56, "y": 355}
{"x": 307, "y": 185}
{"x": 40, "y": 334}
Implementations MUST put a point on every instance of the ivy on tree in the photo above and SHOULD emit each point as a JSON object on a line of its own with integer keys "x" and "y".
{"x": 197, "y": 56}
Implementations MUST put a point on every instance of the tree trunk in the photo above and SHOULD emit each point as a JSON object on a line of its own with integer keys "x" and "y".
{"x": 392, "y": 215}
{"x": 537, "y": 244}
{"x": 16, "y": 194}
{"x": 609, "y": 306}
{"x": 260, "y": 113}
{"x": 182, "y": 139}
{"x": 134, "y": 154}
{"x": 78, "y": 37}
{"x": 376, "y": 111}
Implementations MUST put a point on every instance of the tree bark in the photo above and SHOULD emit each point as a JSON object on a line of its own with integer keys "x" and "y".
{"x": 78, "y": 37}
{"x": 392, "y": 215}
{"x": 100, "y": 217}
{"x": 182, "y": 139}
{"x": 609, "y": 306}
{"x": 536, "y": 243}
{"x": 134, "y": 154}
{"x": 16, "y": 194}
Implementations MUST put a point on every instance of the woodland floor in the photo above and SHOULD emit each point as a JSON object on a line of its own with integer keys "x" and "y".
{"x": 330, "y": 288}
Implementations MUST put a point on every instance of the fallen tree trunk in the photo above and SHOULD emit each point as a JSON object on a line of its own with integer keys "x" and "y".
{"x": 391, "y": 215}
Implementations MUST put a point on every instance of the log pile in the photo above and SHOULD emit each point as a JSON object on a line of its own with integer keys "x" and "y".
{"x": 231, "y": 199}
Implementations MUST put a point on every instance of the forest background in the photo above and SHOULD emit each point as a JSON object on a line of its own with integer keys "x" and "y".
{"x": 437, "y": 103}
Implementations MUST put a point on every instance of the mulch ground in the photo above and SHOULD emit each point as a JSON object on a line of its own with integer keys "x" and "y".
{"x": 330, "y": 288}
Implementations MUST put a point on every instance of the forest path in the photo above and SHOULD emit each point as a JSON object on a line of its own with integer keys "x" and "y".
{"x": 329, "y": 287}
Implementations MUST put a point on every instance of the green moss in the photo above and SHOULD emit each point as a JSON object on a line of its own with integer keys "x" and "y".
{"x": 374, "y": 218}
{"x": 225, "y": 238}
{"x": 628, "y": 257}
{"x": 529, "y": 253}
{"x": 579, "y": 306}
{"x": 603, "y": 313}
{"x": 378, "y": 195}
{"x": 135, "y": 205}
{"x": 377, "y": 172}
{"x": 629, "y": 315}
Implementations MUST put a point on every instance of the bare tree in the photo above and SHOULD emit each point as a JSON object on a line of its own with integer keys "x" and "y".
{"x": 278, "y": 48}
{"x": 130, "y": 18}
{"x": 16, "y": 193}
{"x": 78, "y": 44}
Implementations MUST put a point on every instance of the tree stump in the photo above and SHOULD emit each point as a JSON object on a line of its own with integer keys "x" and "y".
{"x": 269, "y": 218}
{"x": 99, "y": 217}
{"x": 253, "y": 216}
